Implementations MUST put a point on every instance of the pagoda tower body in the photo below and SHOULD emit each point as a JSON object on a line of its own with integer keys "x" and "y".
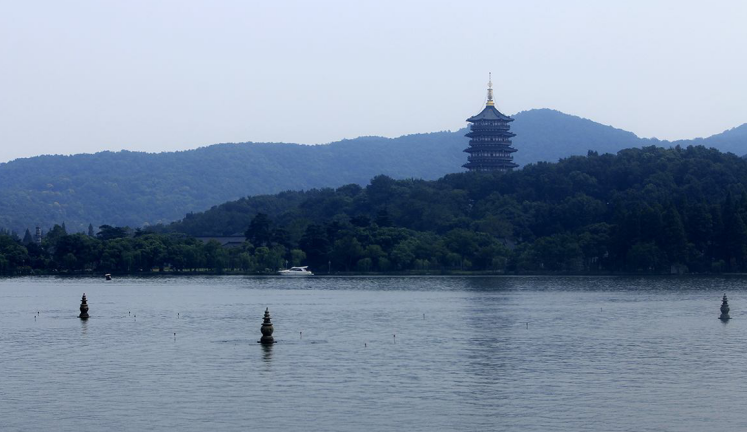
{"x": 490, "y": 139}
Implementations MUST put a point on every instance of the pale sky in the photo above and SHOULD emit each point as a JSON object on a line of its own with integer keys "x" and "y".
{"x": 87, "y": 76}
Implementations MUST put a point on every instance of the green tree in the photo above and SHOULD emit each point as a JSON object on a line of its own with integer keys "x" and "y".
{"x": 69, "y": 262}
{"x": 402, "y": 255}
{"x": 269, "y": 259}
{"x": 13, "y": 255}
{"x": 108, "y": 232}
{"x": 247, "y": 262}
{"x": 364, "y": 265}
{"x": 347, "y": 251}
{"x": 56, "y": 233}
{"x": 85, "y": 250}
{"x": 27, "y": 239}
{"x": 673, "y": 236}
{"x": 316, "y": 246}
{"x": 644, "y": 257}
{"x": 260, "y": 230}
{"x": 297, "y": 257}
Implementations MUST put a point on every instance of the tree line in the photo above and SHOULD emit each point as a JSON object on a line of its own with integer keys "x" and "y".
{"x": 330, "y": 248}
{"x": 125, "y": 251}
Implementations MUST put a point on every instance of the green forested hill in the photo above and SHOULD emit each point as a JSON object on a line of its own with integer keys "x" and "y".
{"x": 642, "y": 210}
{"x": 136, "y": 189}
{"x": 650, "y": 209}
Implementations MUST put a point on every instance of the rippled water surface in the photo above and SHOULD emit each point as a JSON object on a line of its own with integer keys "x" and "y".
{"x": 470, "y": 354}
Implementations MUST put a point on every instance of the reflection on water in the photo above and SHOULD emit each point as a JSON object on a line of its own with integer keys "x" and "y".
{"x": 267, "y": 352}
{"x": 598, "y": 353}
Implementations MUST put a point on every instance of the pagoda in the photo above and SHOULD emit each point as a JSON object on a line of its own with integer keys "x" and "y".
{"x": 490, "y": 140}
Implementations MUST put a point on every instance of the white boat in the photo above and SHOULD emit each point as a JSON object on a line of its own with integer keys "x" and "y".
{"x": 296, "y": 271}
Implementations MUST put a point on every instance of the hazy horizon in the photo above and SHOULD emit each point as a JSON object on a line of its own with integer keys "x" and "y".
{"x": 85, "y": 76}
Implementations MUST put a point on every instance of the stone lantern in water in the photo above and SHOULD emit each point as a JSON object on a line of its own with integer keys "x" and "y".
{"x": 724, "y": 309}
{"x": 267, "y": 329}
{"x": 83, "y": 308}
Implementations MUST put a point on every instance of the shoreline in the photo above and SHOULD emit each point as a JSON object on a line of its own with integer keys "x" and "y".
{"x": 158, "y": 274}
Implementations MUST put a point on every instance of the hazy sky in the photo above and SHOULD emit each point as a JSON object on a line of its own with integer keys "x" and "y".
{"x": 86, "y": 76}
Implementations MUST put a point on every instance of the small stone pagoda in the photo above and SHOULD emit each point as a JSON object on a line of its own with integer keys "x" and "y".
{"x": 267, "y": 329}
{"x": 490, "y": 139}
{"x": 83, "y": 308}
{"x": 724, "y": 309}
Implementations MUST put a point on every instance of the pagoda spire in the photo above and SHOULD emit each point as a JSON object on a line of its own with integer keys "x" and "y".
{"x": 490, "y": 90}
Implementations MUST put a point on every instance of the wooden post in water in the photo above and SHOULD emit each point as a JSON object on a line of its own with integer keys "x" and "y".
{"x": 724, "y": 309}
{"x": 267, "y": 330}
{"x": 83, "y": 308}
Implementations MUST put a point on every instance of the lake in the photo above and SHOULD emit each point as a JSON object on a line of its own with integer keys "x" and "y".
{"x": 373, "y": 354}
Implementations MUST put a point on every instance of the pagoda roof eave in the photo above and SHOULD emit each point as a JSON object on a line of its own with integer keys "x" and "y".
{"x": 501, "y": 134}
{"x": 471, "y": 149}
{"x": 493, "y": 166}
{"x": 471, "y": 165}
{"x": 489, "y": 113}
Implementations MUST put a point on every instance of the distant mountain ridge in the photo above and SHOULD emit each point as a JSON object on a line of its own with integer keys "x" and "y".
{"x": 136, "y": 189}
{"x": 733, "y": 140}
